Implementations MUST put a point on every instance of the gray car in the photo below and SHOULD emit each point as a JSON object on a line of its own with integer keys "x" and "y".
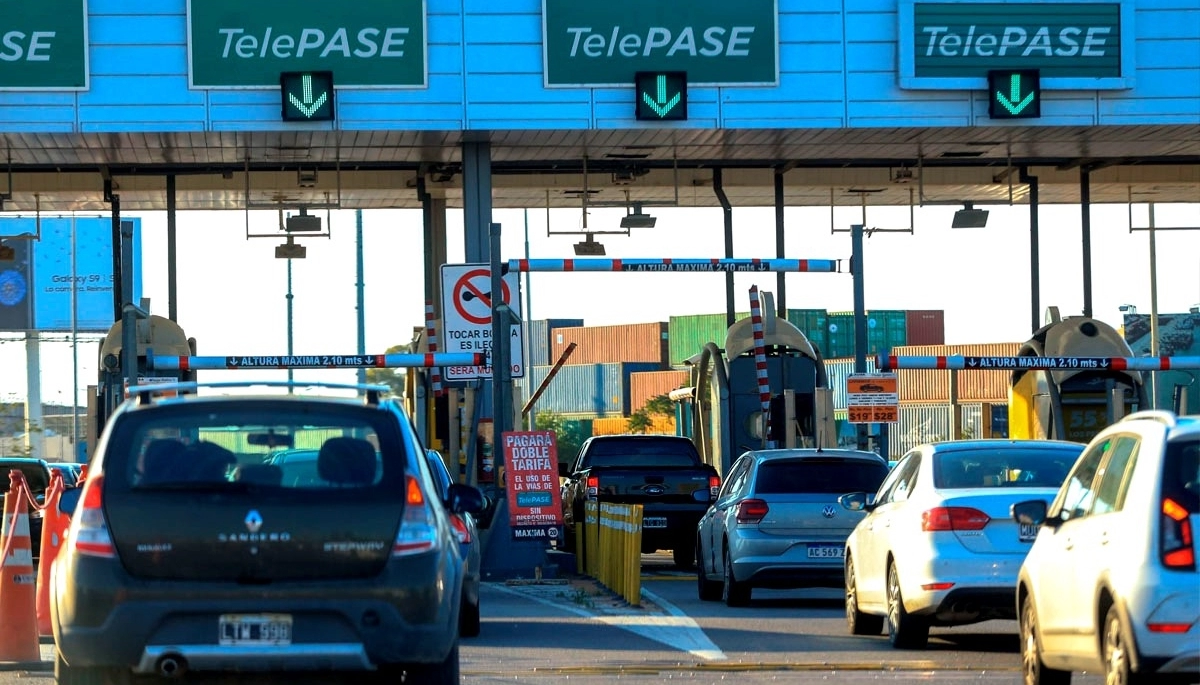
{"x": 777, "y": 523}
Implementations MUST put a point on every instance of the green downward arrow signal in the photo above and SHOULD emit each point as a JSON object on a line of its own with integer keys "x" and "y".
{"x": 660, "y": 104}
{"x": 1014, "y": 103}
{"x": 308, "y": 106}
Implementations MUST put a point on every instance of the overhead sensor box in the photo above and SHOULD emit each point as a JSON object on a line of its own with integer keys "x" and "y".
{"x": 638, "y": 220}
{"x": 589, "y": 248}
{"x": 290, "y": 251}
{"x": 970, "y": 218}
{"x": 303, "y": 223}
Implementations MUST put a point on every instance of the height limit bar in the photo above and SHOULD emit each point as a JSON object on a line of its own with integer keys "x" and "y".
{"x": 678, "y": 265}
{"x": 318, "y": 361}
{"x": 888, "y": 362}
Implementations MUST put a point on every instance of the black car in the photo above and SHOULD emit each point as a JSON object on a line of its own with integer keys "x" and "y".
{"x": 190, "y": 550}
{"x": 37, "y": 475}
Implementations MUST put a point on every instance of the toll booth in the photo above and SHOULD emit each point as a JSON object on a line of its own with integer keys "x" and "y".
{"x": 726, "y": 405}
{"x": 1073, "y": 402}
{"x": 153, "y": 335}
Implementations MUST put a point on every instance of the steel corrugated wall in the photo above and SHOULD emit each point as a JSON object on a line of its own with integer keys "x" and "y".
{"x": 595, "y": 389}
{"x": 925, "y": 326}
{"x": 539, "y": 331}
{"x": 646, "y": 385}
{"x": 634, "y": 342}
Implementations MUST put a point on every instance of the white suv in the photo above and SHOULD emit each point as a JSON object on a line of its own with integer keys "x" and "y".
{"x": 1111, "y": 582}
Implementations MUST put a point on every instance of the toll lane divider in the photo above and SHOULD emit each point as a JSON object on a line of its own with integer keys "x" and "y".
{"x": 677, "y": 265}
{"x": 613, "y": 537}
{"x": 885, "y": 362}
{"x": 317, "y": 361}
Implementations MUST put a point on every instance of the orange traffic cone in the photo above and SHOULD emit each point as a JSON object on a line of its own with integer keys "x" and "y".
{"x": 18, "y": 610}
{"x": 54, "y": 524}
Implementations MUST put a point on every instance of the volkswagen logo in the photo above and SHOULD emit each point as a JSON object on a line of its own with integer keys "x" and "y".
{"x": 654, "y": 490}
{"x": 829, "y": 511}
{"x": 254, "y": 521}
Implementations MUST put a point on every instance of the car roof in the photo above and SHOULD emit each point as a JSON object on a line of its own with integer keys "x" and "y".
{"x": 1002, "y": 443}
{"x": 23, "y": 460}
{"x": 813, "y": 452}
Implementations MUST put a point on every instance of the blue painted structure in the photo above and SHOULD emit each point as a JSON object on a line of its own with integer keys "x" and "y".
{"x": 838, "y": 69}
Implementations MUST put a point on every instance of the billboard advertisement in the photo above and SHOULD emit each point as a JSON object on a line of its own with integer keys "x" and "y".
{"x": 35, "y": 286}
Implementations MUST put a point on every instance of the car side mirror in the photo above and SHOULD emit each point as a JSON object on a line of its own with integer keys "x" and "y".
{"x": 564, "y": 469}
{"x": 462, "y": 498}
{"x": 857, "y": 501}
{"x": 69, "y": 500}
{"x": 1031, "y": 513}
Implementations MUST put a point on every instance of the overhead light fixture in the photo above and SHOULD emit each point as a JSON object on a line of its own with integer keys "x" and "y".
{"x": 636, "y": 219}
{"x": 290, "y": 250}
{"x": 588, "y": 247}
{"x": 303, "y": 223}
{"x": 969, "y": 217}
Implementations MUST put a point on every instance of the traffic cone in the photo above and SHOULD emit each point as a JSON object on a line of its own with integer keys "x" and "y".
{"x": 18, "y": 602}
{"x": 54, "y": 524}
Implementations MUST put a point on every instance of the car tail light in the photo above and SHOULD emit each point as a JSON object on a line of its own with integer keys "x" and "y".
{"x": 953, "y": 518}
{"x": 714, "y": 486}
{"x": 593, "y": 487}
{"x": 417, "y": 530}
{"x": 91, "y": 536}
{"x": 460, "y": 529}
{"x": 1169, "y": 627}
{"x": 1178, "y": 551}
{"x": 751, "y": 511}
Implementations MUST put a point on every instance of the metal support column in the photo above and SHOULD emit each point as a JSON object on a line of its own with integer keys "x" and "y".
{"x": 115, "y": 201}
{"x": 727, "y": 211}
{"x": 1035, "y": 277}
{"x": 172, "y": 271}
{"x": 358, "y": 287}
{"x": 1085, "y": 208}
{"x": 502, "y": 321}
{"x": 780, "y": 286}
{"x": 1153, "y": 311}
{"x": 477, "y": 200}
{"x": 860, "y": 317}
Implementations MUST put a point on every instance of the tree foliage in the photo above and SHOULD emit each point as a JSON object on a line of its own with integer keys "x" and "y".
{"x": 569, "y": 435}
{"x": 392, "y": 378}
{"x": 642, "y": 420}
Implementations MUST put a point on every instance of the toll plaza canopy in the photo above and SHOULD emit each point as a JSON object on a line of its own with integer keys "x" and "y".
{"x": 525, "y": 103}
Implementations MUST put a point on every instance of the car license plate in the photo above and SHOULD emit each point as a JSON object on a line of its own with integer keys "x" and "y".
{"x": 255, "y": 629}
{"x": 1028, "y": 532}
{"x": 654, "y": 522}
{"x": 824, "y": 552}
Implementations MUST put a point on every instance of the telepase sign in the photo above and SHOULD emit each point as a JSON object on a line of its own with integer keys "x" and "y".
{"x": 366, "y": 43}
{"x": 597, "y": 44}
{"x": 1074, "y": 45}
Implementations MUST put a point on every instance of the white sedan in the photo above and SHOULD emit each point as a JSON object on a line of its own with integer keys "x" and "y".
{"x": 938, "y": 546}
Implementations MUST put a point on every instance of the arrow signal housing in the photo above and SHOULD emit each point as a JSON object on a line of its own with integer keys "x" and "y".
{"x": 660, "y": 95}
{"x": 1014, "y": 94}
{"x": 306, "y": 102}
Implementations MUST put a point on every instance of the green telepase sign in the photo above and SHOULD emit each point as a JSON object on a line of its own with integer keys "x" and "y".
{"x": 606, "y": 43}
{"x": 365, "y": 43}
{"x": 44, "y": 46}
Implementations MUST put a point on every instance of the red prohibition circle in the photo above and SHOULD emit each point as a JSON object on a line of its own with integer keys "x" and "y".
{"x": 463, "y": 286}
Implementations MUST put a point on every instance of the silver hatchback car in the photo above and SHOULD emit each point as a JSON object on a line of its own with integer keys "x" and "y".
{"x": 777, "y": 523}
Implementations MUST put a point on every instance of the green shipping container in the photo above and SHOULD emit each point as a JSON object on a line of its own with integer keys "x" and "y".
{"x": 886, "y": 328}
{"x": 814, "y": 324}
{"x": 687, "y": 335}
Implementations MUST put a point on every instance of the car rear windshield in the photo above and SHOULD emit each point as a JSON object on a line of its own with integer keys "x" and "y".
{"x": 821, "y": 475}
{"x": 1181, "y": 473}
{"x": 248, "y": 445}
{"x": 35, "y": 476}
{"x": 1004, "y": 467}
{"x": 638, "y": 452}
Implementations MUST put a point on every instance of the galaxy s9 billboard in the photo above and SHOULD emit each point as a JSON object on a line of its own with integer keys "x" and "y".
{"x": 39, "y": 274}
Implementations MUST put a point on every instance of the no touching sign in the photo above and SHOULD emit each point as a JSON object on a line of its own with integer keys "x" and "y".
{"x": 467, "y": 302}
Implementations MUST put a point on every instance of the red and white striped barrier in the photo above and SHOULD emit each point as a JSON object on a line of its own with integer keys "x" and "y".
{"x": 435, "y": 374}
{"x": 760, "y": 364}
{"x": 677, "y": 265}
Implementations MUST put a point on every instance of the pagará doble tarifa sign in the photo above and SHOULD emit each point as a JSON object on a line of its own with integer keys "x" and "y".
{"x": 44, "y": 45}
{"x": 365, "y": 43}
{"x": 1072, "y": 44}
{"x": 717, "y": 42}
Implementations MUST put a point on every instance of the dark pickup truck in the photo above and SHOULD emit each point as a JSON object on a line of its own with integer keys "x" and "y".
{"x": 663, "y": 473}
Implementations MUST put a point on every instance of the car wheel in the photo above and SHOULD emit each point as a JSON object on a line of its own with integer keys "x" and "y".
{"x": 858, "y": 622}
{"x": 468, "y": 619}
{"x": 445, "y": 673}
{"x": 1034, "y": 671}
{"x": 1118, "y": 660}
{"x": 905, "y": 631}
{"x": 684, "y": 554}
{"x": 708, "y": 590}
{"x": 78, "y": 675}
{"x": 735, "y": 594}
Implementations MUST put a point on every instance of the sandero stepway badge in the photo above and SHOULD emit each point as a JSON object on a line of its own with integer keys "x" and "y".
{"x": 254, "y": 521}
{"x": 654, "y": 490}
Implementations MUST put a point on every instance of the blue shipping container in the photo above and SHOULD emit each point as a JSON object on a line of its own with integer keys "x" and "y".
{"x": 597, "y": 389}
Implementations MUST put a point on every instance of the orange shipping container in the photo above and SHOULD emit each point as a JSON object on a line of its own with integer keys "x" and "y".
{"x": 646, "y": 385}
{"x": 617, "y": 425}
{"x": 635, "y": 342}
{"x": 933, "y": 385}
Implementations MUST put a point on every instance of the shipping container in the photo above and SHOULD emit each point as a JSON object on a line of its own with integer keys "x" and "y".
{"x": 918, "y": 424}
{"x": 886, "y": 328}
{"x": 925, "y": 326}
{"x": 687, "y": 335}
{"x": 838, "y": 370}
{"x": 814, "y": 324}
{"x": 646, "y": 385}
{"x": 617, "y": 425}
{"x": 634, "y": 342}
{"x": 974, "y": 385}
{"x": 972, "y": 420}
{"x": 539, "y": 332}
{"x": 595, "y": 389}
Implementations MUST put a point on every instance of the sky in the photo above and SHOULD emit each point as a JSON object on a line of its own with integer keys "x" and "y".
{"x": 232, "y": 290}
